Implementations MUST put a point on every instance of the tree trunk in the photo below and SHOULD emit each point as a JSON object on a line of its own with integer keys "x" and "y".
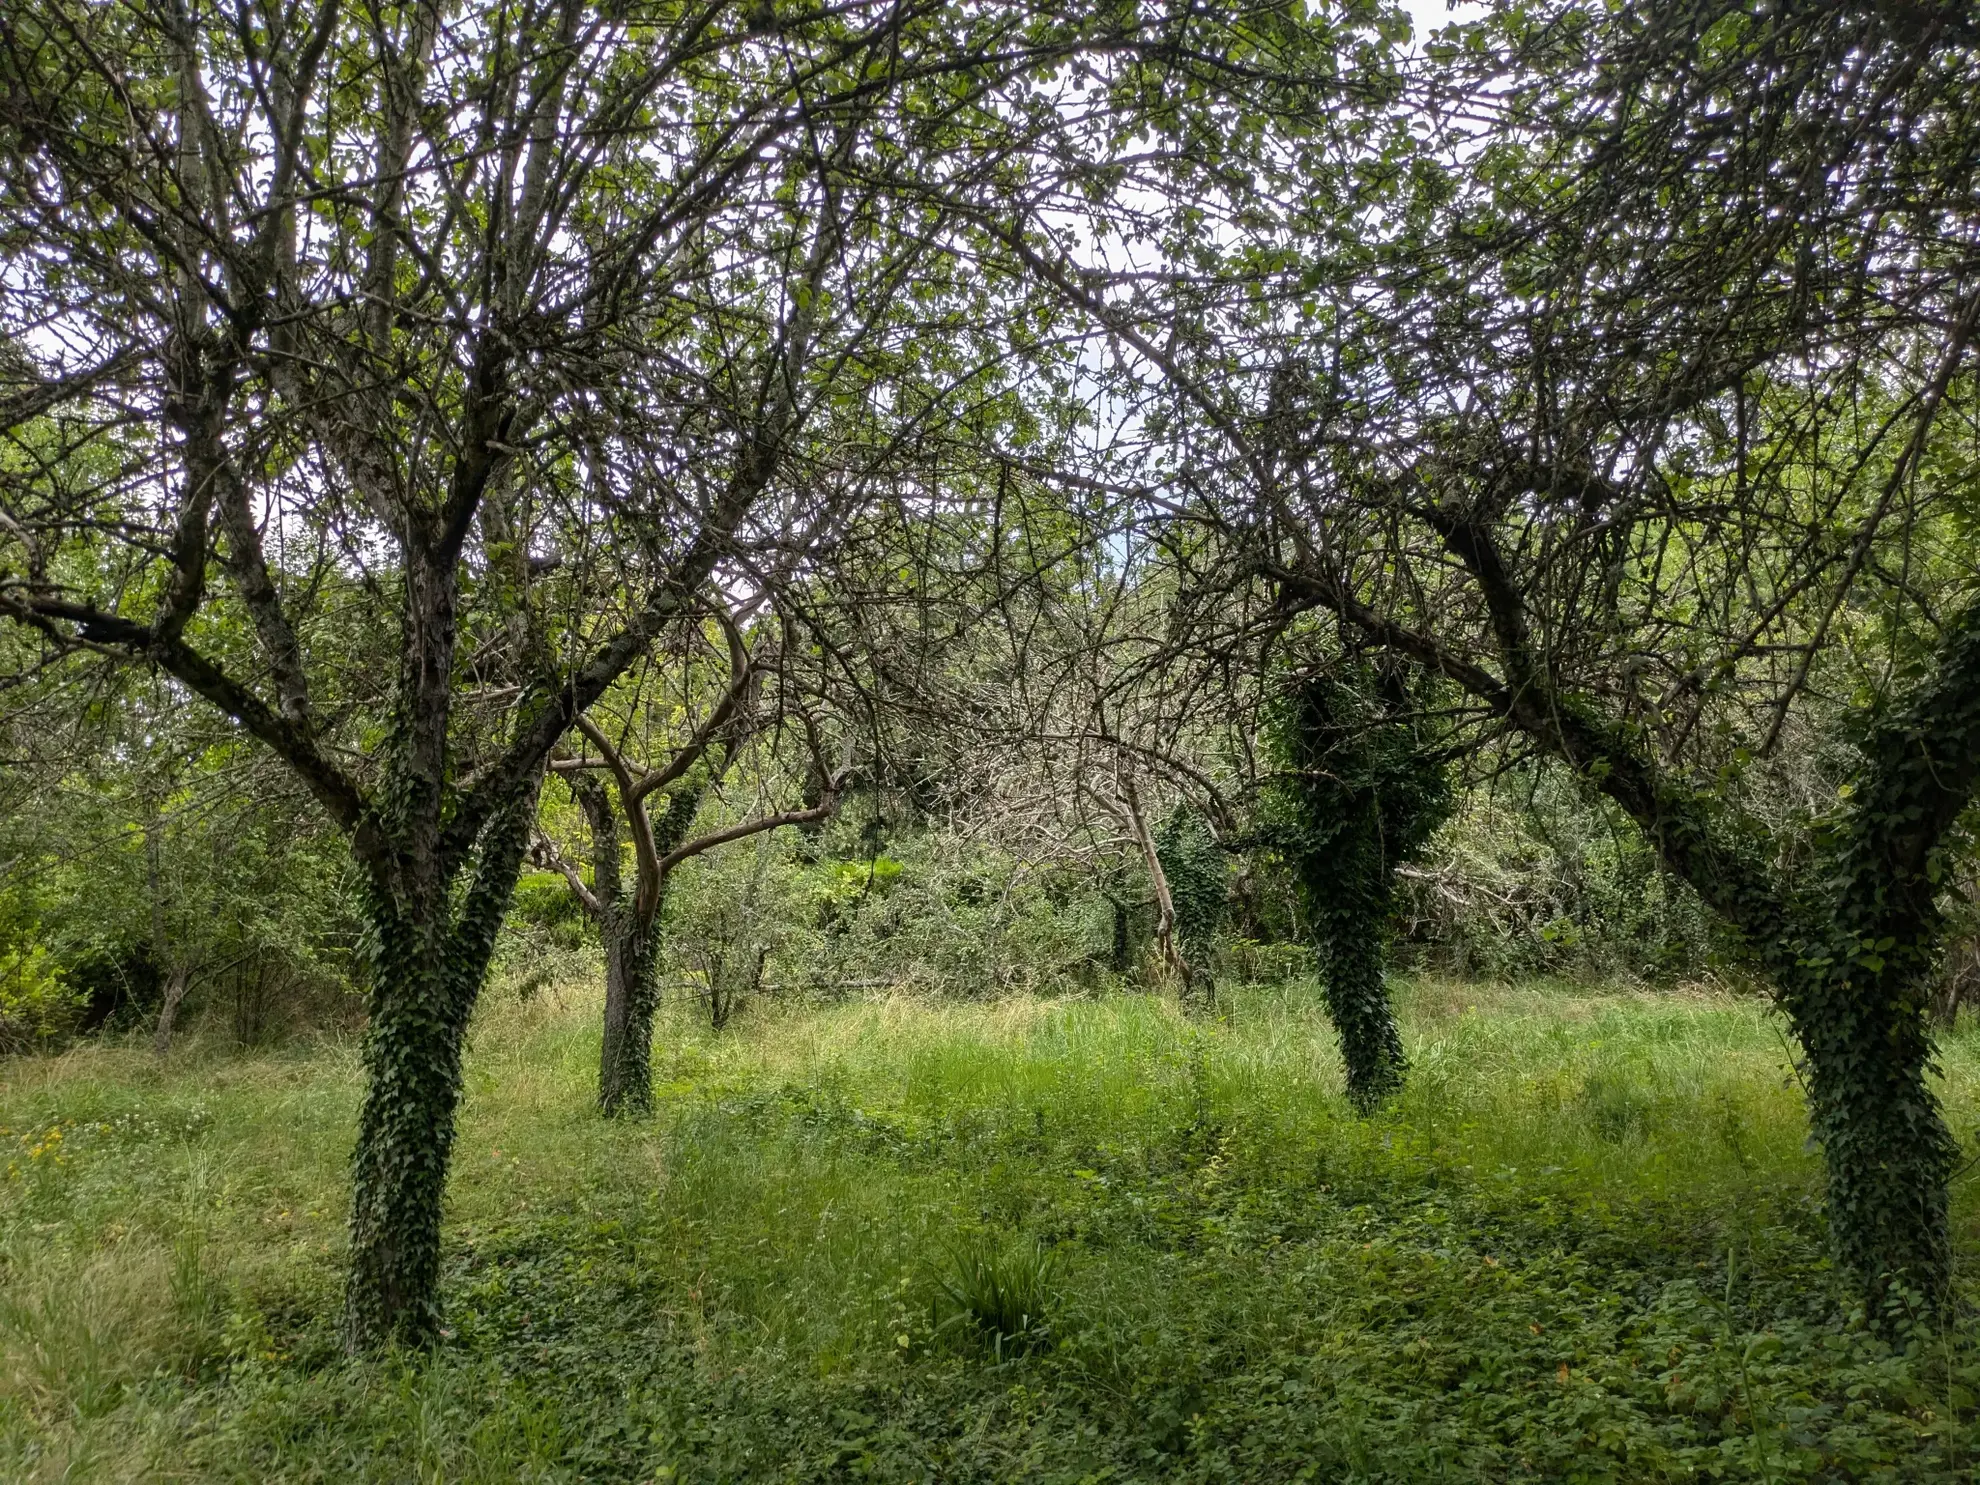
{"x": 1158, "y": 879}
{"x": 1850, "y": 955}
{"x": 1851, "y": 952}
{"x": 165, "y": 954}
{"x": 412, "y": 1057}
{"x": 625, "y": 1054}
{"x": 1888, "y": 1153}
{"x": 1850, "y": 948}
{"x": 427, "y": 969}
{"x": 177, "y": 978}
{"x": 625, "y": 1067}
{"x": 630, "y": 930}
{"x": 1358, "y": 1004}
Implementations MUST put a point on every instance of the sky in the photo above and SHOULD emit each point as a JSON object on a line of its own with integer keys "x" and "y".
{"x": 1434, "y": 15}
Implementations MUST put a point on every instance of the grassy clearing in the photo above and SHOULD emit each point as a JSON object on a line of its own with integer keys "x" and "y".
{"x": 1039, "y": 1240}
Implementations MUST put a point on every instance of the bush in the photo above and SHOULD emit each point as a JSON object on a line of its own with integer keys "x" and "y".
{"x": 544, "y": 905}
{"x": 38, "y": 1009}
{"x": 546, "y": 937}
{"x": 934, "y": 912}
{"x": 1253, "y": 963}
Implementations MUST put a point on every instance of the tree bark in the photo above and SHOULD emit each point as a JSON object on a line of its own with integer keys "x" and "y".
{"x": 630, "y": 941}
{"x": 1129, "y": 809}
{"x": 173, "y": 959}
{"x": 427, "y": 967}
{"x": 177, "y": 978}
{"x": 625, "y": 1068}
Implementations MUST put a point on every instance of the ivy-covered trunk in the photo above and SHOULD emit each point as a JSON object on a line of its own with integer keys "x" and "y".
{"x": 629, "y": 927}
{"x": 1888, "y": 1153}
{"x": 630, "y": 940}
{"x": 1857, "y": 981}
{"x": 1357, "y": 996}
{"x": 1851, "y": 947}
{"x": 1197, "y": 883}
{"x": 412, "y": 1058}
{"x": 428, "y": 961}
{"x": 1851, "y": 951}
{"x": 1358, "y": 794}
{"x": 625, "y": 1068}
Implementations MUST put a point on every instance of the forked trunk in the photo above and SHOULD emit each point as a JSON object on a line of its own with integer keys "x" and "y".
{"x": 1856, "y": 983}
{"x": 1158, "y": 880}
{"x": 1851, "y": 965}
{"x": 177, "y": 979}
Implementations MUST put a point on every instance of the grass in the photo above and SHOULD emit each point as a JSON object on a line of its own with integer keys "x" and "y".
{"x": 1030, "y": 1240}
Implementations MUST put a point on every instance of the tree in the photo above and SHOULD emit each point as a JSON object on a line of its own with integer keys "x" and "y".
{"x": 1196, "y": 883}
{"x": 1689, "y": 417}
{"x": 628, "y": 919}
{"x": 157, "y": 857}
{"x": 510, "y": 320}
{"x": 1599, "y": 362}
{"x": 1637, "y": 400}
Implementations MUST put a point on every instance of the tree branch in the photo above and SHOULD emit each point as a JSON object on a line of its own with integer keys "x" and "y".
{"x": 331, "y": 787}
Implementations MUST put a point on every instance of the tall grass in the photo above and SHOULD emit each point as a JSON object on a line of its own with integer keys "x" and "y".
{"x": 1589, "y": 1231}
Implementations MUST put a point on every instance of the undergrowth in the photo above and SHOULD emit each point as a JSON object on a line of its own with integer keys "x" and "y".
{"x": 1036, "y": 1240}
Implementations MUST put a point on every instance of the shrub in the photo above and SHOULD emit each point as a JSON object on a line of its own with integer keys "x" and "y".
{"x": 937, "y": 913}
{"x": 37, "y": 1006}
{"x": 1532, "y": 877}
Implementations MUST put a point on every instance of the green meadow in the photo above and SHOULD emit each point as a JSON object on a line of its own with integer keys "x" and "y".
{"x": 1034, "y": 1239}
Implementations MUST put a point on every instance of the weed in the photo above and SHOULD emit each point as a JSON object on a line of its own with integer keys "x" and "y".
{"x": 199, "y": 1301}
{"x": 1616, "y": 1110}
{"x": 996, "y": 1292}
